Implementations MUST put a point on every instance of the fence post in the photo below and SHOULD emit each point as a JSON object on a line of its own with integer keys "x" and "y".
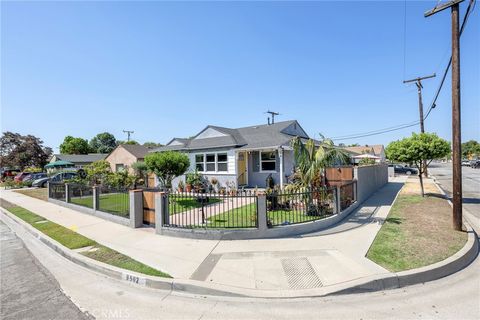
{"x": 161, "y": 211}
{"x": 262, "y": 212}
{"x": 96, "y": 197}
{"x": 136, "y": 208}
{"x": 354, "y": 190}
{"x": 68, "y": 196}
{"x": 48, "y": 190}
{"x": 339, "y": 203}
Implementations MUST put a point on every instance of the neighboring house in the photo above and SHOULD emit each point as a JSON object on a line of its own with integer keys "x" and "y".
{"x": 357, "y": 153}
{"x": 243, "y": 156}
{"x": 123, "y": 156}
{"x": 79, "y": 160}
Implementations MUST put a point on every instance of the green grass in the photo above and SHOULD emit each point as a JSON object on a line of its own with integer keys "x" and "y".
{"x": 245, "y": 217}
{"x": 66, "y": 237}
{"x": 416, "y": 233}
{"x": 116, "y": 203}
{"x": 181, "y": 204}
{"x": 115, "y": 258}
{"x": 241, "y": 217}
{"x": 86, "y": 201}
{"x": 73, "y": 240}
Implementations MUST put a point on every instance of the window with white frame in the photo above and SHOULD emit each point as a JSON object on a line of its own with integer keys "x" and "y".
{"x": 211, "y": 162}
{"x": 199, "y": 162}
{"x": 268, "y": 160}
{"x": 222, "y": 162}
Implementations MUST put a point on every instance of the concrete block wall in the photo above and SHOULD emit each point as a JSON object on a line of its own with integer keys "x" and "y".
{"x": 370, "y": 179}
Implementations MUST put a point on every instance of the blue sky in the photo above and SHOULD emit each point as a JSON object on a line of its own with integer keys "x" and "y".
{"x": 167, "y": 69}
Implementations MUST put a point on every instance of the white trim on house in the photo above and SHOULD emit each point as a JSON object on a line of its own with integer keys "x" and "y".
{"x": 260, "y": 161}
{"x": 227, "y": 162}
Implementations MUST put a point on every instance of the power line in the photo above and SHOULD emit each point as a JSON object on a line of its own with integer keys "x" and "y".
{"x": 470, "y": 8}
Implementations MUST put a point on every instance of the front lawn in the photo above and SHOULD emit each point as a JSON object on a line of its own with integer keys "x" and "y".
{"x": 417, "y": 232}
{"x": 39, "y": 193}
{"x": 178, "y": 204}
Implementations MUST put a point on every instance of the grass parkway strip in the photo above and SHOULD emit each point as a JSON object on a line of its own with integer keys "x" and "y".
{"x": 417, "y": 232}
{"x": 73, "y": 240}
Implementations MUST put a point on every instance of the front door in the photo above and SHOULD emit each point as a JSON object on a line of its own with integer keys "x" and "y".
{"x": 242, "y": 168}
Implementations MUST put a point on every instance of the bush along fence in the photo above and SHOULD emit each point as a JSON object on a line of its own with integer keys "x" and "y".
{"x": 197, "y": 211}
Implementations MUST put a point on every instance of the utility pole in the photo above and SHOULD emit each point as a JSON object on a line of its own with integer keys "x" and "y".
{"x": 456, "y": 123}
{"x": 273, "y": 114}
{"x": 128, "y": 134}
{"x": 418, "y": 82}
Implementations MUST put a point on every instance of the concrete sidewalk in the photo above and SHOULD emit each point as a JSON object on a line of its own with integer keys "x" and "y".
{"x": 333, "y": 256}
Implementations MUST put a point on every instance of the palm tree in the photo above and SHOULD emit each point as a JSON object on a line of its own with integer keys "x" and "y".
{"x": 313, "y": 157}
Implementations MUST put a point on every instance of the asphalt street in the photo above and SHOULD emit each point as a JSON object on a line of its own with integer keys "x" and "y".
{"x": 28, "y": 290}
{"x": 470, "y": 185}
{"x": 453, "y": 297}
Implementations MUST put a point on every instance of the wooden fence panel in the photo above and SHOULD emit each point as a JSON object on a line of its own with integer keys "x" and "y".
{"x": 339, "y": 174}
{"x": 149, "y": 207}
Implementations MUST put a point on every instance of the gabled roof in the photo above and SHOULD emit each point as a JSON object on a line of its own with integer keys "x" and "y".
{"x": 81, "y": 158}
{"x": 252, "y": 137}
{"x": 137, "y": 150}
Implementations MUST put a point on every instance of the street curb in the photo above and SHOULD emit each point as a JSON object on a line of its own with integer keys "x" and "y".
{"x": 366, "y": 284}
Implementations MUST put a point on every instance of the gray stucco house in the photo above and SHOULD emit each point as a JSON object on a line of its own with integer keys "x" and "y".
{"x": 242, "y": 157}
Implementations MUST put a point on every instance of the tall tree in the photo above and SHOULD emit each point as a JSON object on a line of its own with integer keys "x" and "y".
{"x": 418, "y": 149}
{"x": 103, "y": 143}
{"x": 470, "y": 149}
{"x": 119, "y": 142}
{"x": 150, "y": 144}
{"x": 73, "y": 145}
{"x": 22, "y": 151}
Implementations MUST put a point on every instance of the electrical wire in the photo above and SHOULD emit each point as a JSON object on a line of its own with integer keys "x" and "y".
{"x": 469, "y": 10}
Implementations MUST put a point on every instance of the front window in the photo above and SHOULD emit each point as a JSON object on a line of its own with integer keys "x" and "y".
{"x": 222, "y": 162}
{"x": 199, "y": 165}
{"x": 210, "y": 161}
{"x": 119, "y": 167}
{"x": 268, "y": 161}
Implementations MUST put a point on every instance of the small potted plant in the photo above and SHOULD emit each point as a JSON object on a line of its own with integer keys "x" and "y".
{"x": 214, "y": 182}
{"x": 180, "y": 186}
{"x": 189, "y": 178}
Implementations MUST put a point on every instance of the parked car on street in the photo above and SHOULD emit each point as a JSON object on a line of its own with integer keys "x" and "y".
{"x": 475, "y": 164}
{"x": 466, "y": 163}
{"x": 404, "y": 169}
{"x": 59, "y": 177}
{"x": 19, "y": 177}
{"x": 9, "y": 173}
{"x": 28, "y": 180}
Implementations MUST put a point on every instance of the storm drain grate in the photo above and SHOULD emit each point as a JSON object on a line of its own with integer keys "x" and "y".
{"x": 300, "y": 274}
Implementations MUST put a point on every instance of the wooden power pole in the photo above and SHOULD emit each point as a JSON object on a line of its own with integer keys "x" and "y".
{"x": 418, "y": 82}
{"x": 456, "y": 123}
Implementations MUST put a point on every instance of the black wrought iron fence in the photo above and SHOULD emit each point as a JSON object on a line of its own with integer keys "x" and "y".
{"x": 114, "y": 200}
{"x": 297, "y": 206}
{"x": 57, "y": 191}
{"x": 212, "y": 210}
{"x": 81, "y": 194}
